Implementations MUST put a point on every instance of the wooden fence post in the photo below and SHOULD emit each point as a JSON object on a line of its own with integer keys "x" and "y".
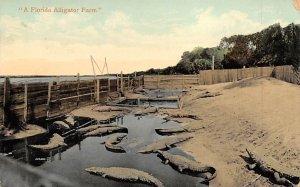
{"x": 157, "y": 86}
{"x": 118, "y": 83}
{"x": 98, "y": 91}
{"x": 198, "y": 79}
{"x": 182, "y": 82}
{"x": 78, "y": 86}
{"x": 108, "y": 86}
{"x": 49, "y": 97}
{"x": 6, "y": 98}
{"x": 128, "y": 83}
{"x": 122, "y": 84}
{"x": 58, "y": 91}
{"x": 25, "y": 102}
{"x": 57, "y": 80}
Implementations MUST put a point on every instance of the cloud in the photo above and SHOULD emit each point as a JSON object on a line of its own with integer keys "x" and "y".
{"x": 62, "y": 45}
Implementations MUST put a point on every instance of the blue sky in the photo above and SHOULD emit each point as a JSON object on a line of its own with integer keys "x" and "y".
{"x": 132, "y": 34}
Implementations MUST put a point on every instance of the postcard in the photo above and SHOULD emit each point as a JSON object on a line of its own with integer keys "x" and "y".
{"x": 149, "y": 93}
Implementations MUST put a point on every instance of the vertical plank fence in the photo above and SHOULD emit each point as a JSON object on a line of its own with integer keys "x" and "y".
{"x": 205, "y": 77}
{"x": 31, "y": 101}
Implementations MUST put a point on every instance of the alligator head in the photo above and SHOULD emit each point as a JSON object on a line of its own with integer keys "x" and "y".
{"x": 96, "y": 170}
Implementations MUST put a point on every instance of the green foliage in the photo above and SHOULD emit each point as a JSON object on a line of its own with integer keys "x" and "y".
{"x": 272, "y": 46}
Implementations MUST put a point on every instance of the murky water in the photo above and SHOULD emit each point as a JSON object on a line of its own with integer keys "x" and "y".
{"x": 71, "y": 162}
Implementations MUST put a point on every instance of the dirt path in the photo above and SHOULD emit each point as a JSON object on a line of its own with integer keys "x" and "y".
{"x": 263, "y": 113}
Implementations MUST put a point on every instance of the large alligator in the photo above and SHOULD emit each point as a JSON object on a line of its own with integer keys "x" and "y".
{"x": 125, "y": 174}
{"x": 111, "y": 143}
{"x": 54, "y": 142}
{"x": 185, "y": 165}
{"x": 92, "y": 127}
{"x": 282, "y": 175}
{"x": 102, "y": 131}
{"x": 165, "y": 144}
{"x": 176, "y": 130}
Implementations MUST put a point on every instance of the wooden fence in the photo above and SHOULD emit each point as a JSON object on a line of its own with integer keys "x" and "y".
{"x": 205, "y": 77}
{"x": 287, "y": 73}
{"x": 25, "y": 102}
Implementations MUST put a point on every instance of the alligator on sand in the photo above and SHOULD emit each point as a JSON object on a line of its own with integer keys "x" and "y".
{"x": 268, "y": 166}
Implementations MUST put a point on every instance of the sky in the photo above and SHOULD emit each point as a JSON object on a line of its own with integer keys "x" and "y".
{"x": 133, "y": 35}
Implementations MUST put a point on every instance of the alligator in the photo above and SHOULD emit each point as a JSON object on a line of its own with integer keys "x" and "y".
{"x": 181, "y": 115}
{"x": 60, "y": 125}
{"x": 125, "y": 174}
{"x": 208, "y": 94}
{"x": 165, "y": 144}
{"x": 55, "y": 141}
{"x": 146, "y": 111}
{"x": 107, "y": 109}
{"x": 70, "y": 120}
{"x": 102, "y": 131}
{"x": 92, "y": 127}
{"x": 176, "y": 130}
{"x": 185, "y": 165}
{"x": 110, "y": 143}
{"x": 282, "y": 175}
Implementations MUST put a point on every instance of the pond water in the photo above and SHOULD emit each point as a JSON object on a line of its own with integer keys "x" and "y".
{"x": 89, "y": 152}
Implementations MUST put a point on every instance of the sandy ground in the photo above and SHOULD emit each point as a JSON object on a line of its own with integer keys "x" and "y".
{"x": 262, "y": 113}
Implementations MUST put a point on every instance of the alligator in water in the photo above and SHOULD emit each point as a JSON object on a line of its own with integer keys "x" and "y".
{"x": 111, "y": 143}
{"x": 92, "y": 127}
{"x": 55, "y": 142}
{"x": 282, "y": 175}
{"x": 125, "y": 174}
{"x": 185, "y": 165}
{"x": 176, "y": 130}
{"x": 102, "y": 131}
{"x": 70, "y": 120}
{"x": 59, "y": 125}
{"x": 146, "y": 111}
{"x": 165, "y": 144}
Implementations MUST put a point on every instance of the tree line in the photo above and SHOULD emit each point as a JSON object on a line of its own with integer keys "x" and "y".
{"x": 273, "y": 46}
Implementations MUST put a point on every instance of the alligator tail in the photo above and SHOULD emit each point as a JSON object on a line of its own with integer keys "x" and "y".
{"x": 213, "y": 173}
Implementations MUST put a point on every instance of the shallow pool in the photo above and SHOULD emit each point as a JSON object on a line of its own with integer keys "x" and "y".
{"x": 81, "y": 154}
